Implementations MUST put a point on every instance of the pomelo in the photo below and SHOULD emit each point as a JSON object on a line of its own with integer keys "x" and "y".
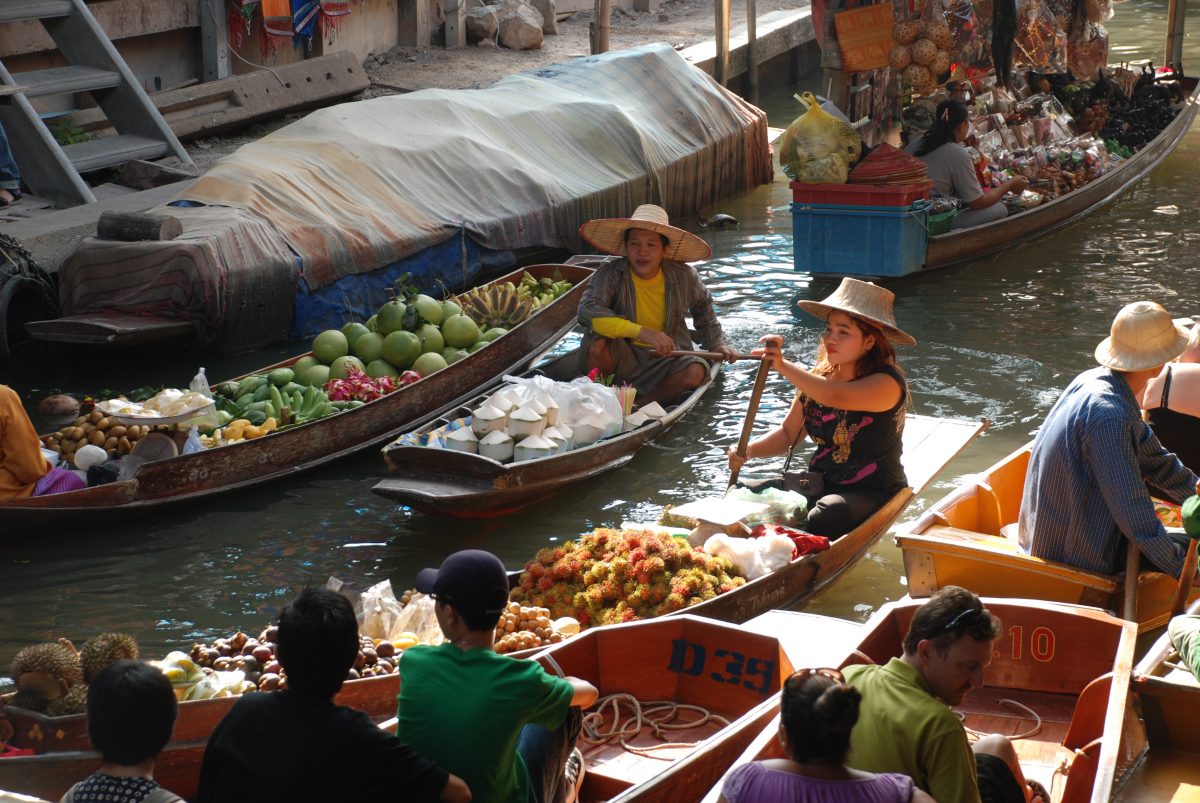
{"x": 430, "y": 309}
{"x": 493, "y": 333}
{"x": 401, "y": 349}
{"x": 478, "y": 345}
{"x": 317, "y": 375}
{"x": 369, "y": 347}
{"x": 460, "y": 331}
{"x": 329, "y": 345}
{"x": 450, "y": 308}
{"x": 431, "y": 339}
{"x": 453, "y": 355}
{"x": 390, "y": 317}
{"x": 429, "y": 362}
{"x": 353, "y": 331}
{"x": 340, "y": 368}
{"x": 300, "y": 367}
{"x": 378, "y": 368}
{"x": 373, "y": 323}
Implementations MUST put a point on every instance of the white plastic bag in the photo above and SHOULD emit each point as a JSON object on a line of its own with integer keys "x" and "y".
{"x": 418, "y": 617}
{"x": 752, "y": 557}
{"x": 378, "y": 611}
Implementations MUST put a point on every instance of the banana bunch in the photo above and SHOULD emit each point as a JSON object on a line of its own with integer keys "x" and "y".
{"x": 496, "y": 305}
{"x": 310, "y": 405}
{"x": 542, "y": 291}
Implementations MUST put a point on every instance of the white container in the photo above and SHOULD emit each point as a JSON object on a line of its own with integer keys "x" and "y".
{"x": 533, "y": 448}
{"x": 463, "y": 440}
{"x": 497, "y": 445}
{"x": 586, "y": 433}
{"x": 487, "y": 419}
{"x": 652, "y": 410}
{"x": 547, "y": 401}
{"x": 525, "y": 422}
{"x": 554, "y": 436}
{"x": 634, "y": 421}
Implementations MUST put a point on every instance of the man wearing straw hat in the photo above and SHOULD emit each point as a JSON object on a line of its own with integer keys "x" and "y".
{"x": 1085, "y": 490}
{"x": 634, "y": 308}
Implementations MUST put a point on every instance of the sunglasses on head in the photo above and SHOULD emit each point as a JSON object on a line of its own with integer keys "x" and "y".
{"x": 965, "y": 619}
{"x": 800, "y": 675}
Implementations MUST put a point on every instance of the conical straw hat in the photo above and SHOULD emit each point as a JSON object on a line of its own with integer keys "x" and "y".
{"x": 608, "y": 234}
{"x": 1143, "y": 336}
{"x": 862, "y": 300}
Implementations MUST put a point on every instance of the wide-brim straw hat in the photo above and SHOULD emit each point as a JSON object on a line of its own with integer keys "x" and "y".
{"x": 862, "y": 300}
{"x": 1143, "y": 336}
{"x": 608, "y": 234}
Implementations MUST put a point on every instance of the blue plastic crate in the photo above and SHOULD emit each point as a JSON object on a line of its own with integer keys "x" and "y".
{"x": 860, "y": 240}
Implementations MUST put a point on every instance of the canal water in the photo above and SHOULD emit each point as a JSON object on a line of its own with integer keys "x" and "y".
{"x": 997, "y": 339}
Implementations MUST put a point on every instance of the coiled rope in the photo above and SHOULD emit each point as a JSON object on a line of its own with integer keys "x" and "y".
{"x": 643, "y": 715}
{"x": 1037, "y": 727}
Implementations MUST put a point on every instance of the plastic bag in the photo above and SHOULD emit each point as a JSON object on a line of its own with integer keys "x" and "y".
{"x": 418, "y": 617}
{"x": 200, "y": 384}
{"x": 378, "y": 609}
{"x": 1099, "y": 10}
{"x": 220, "y": 684}
{"x": 1041, "y": 42}
{"x": 1088, "y": 53}
{"x": 752, "y": 557}
{"x": 783, "y": 507}
{"x": 968, "y": 45}
{"x": 819, "y": 138}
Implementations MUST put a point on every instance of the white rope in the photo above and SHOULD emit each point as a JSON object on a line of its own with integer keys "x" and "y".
{"x": 642, "y": 717}
{"x": 1011, "y": 704}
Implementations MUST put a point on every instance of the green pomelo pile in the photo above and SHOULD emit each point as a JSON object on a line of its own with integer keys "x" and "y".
{"x": 369, "y": 347}
{"x": 431, "y": 338}
{"x": 428, "y": 363}
{"x": 340, "y": 368}
{"x": 401, "y": 349}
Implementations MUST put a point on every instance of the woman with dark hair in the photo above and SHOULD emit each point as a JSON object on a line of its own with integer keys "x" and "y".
{"x": 817, "y": 714}
{"x": 851, "y": 404}
{"x": 952, "y": 172}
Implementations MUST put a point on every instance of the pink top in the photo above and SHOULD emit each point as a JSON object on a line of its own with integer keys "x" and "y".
{"x": 756, "y": 783}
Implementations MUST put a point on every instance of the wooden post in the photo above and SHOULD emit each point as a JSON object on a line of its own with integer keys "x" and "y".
{"x": 601, "y": 26}
{"x": 752, "y": 49}
{"x": 135, "y": 226}
{"x": 214, "y": 40}
{"x": 1133, "y": 564}
{"x": 721, "y": 34}
{"x": 1176, "y": 15}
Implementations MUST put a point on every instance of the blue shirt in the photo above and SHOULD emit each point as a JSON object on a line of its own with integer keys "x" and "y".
{"x": 1085, "y": 491}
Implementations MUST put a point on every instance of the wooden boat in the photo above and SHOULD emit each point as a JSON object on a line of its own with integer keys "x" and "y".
{"x": 1069, "y": 665}
{"x": 63, "y": 754}
{"x": 451, "y": 483}
{"x": 191, "y": 477}
{"x": 969, "y": 539}
{"x": 1169, "y": 696}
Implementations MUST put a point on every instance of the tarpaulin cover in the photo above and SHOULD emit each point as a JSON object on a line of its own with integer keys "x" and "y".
{"x": 523, "y": 163}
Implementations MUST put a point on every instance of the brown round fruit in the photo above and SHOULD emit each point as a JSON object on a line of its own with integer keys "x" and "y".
{"x": 262, "y": 653}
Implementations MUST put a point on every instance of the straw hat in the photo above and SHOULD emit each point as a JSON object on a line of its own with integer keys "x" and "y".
{"x": 862, "y": 300}
{"x": 608, "y": 234}
{"x": 1143, "y": 337}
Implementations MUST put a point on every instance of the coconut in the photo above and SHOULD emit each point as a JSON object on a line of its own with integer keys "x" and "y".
{"x": 463, "y": 440}
{"x": 500, "y": 401}
{"x": 554, "y": 436}
{"x": 58, "y": 405}
{"x": 586, "y": 432}
{"x": 906, "y": 32}
{"x": 547, "y": 401}
{"x": 568, "y": 434}
{"x": 532, "y": 448}
{"x": 900, "y": 57}
{"x": 923, "y": 51}
{"x": 525, "y": 421}
{"x": 497, "y": 445}
{"x": 635, "y": 420}
{"x": 487, "y": 419}
{"x": 88, "y": 456}
{"x": 652, "y": 410}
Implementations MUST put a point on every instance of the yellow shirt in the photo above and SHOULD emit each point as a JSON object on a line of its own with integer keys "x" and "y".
{"x": 650, "y": 301}
{"x": 21, "y": 461}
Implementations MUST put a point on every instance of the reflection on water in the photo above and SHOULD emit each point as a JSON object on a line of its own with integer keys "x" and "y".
{"x": 997, "y": 339}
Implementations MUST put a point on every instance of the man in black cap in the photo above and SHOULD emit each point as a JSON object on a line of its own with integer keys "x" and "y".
{"x": 499, "y": 723}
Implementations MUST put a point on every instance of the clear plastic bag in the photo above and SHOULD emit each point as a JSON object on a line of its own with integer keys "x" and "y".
{"x": 1041, "y": 41}
{"x": 784, "y": 507}
{"x": 378, "y": 610}
{"x": 969, "y": 46}
{"x": 418, "y": 617}
{"x": 1088, "y": 53}
{"x": 820, "y": 138}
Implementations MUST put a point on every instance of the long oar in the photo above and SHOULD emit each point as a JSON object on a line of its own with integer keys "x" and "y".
{"x": 760, "y": 381}
{"x": 1191, "y": 526}
{"x": 712, "y": 355}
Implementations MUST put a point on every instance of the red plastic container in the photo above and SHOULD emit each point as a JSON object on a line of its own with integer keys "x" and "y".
{"x": 860, "y": 194}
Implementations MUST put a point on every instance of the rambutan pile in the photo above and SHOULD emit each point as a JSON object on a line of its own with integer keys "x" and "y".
{"x": 611, "y": 576}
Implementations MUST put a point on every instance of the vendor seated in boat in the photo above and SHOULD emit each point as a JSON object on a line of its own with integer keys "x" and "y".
{"x": 24, "y": 470}
{"x": 1085, "y": 488}
{"x": 952, "y": 171}
{"x": 851, "y": 404}
{"x": 1172, "y": 404}
{"x": 633, "y": 310}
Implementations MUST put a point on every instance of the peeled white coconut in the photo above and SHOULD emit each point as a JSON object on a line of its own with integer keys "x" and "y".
{"x": 463, "y": 440}
{"x": 487, "y": 419}
{"x": 524, "y": 422}
{"x": 532, "y": 448}
{"x": 497, "y": 445}
{"x": 635, "y": 420}
{"x": 568, "y": 435}
{"x": 554, "y": 436}
{"x": 652, "y": 410}
{"x": 88, "y": 456}
{"x": 551, "y": 406}
{"x": 586, "y": 432}
{"x": 500, "y": 401}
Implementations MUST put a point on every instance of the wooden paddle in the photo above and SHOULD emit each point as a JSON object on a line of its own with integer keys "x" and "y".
{"x": 760, "y": 381}
{"x": 712, "y": 355}
{"x": 1191, "y": 526}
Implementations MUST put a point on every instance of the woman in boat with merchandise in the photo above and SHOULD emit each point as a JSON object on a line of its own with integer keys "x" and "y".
{"x": 851, "y": 403}
{"x": 952, "y": 171}
{"x": 24, "y": 470}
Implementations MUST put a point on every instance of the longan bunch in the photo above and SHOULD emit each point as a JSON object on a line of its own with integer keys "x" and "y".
{"x": 524, "y": 627}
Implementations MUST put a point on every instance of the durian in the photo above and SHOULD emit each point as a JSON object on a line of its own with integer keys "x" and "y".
{"x": 103, "y": 650}
{"x": 73, "y": 702}
{"x": 46, "y": 672}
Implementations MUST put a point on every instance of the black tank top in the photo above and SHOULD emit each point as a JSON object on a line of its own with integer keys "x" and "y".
{"x": 1178, "y": 432}
{"x": 857, "y": 450}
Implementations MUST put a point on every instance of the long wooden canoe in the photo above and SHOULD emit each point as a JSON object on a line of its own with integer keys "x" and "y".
{"x": 451, "y": 483}
{"x": 1169, "y": 695}
{"x": 189, "y": 478}
{"x": 963, "y": 245}
{"x": 1068, "y": 664}
{"x": 64, "y": 755}
{"x": 969, "y": 539}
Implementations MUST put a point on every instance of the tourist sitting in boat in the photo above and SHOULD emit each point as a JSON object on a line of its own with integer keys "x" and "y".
{"x": 24, "y": 470}
{"x": 906, "y": 723}
{"x": 851, "y": 403}
{"x": 817, "y": 714}
{"x": 1085, "y": 488}
{"x": 1172, "y": 404}
{"x": 633, "y": 310}
{"x": 131, "y": 710}
{"x": 297, "y": 744}
{"x": 952, "y": 171}
{"x": 503, "y": 724}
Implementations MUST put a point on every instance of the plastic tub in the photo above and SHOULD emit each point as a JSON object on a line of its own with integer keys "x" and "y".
{"x": 859, "y": 240}
{"x": 860, "y": 194}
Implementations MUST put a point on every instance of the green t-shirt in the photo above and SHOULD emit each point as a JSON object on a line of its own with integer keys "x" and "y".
{"x": 1185, "y": 637}
{"x": 903, "y": 728}
{"x": 464, "y": 710}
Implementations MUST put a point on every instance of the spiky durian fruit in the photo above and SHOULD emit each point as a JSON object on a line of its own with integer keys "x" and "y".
{"x": 103, "y": 650}
{"x": 45, "y": 671}
{"x": 30, "y": 700}
{"x": 73, "y": 702}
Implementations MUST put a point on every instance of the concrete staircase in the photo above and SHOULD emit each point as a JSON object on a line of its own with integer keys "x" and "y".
{"x": 93, "y": 65}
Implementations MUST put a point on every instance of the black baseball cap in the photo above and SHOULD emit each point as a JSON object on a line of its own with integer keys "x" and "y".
{"x": 470, "y": 580}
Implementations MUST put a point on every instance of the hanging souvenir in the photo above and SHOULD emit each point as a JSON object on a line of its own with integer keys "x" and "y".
{"x": 1088, "y": 54}
{"x": 1040, "y": 43}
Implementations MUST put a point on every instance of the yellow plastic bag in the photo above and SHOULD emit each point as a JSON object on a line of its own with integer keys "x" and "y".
{"x": 817, "y": 147}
